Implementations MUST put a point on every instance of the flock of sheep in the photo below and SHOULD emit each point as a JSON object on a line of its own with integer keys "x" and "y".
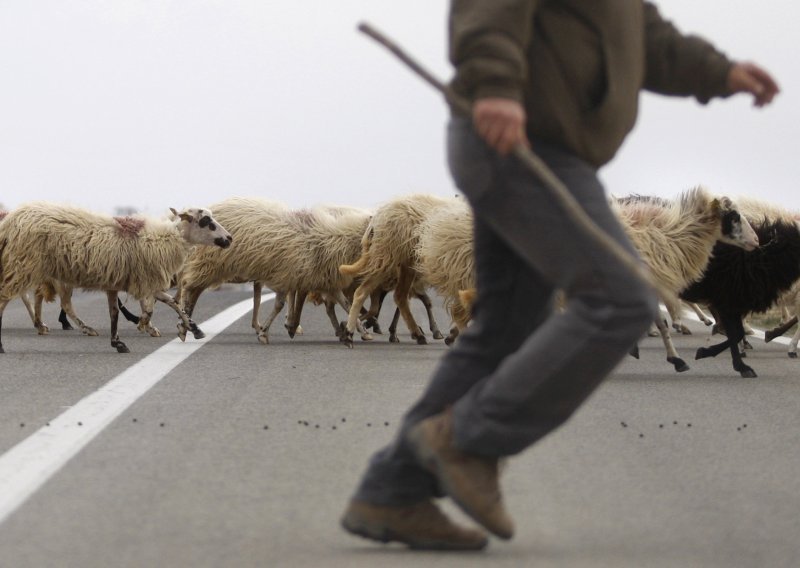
{"x": 734, "y": 256}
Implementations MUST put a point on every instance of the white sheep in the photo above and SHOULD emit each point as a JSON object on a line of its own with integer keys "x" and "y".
{"x": 388, "y": 253}
{"x": 42, "y": 242}
{"x": 446, "y": 261}
{"x": 293, "y": 252}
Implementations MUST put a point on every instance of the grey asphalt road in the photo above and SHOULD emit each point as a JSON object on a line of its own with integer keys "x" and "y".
{"x": 245, "y": 455}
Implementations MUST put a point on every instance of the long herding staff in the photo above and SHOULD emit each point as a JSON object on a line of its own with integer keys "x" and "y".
{"x": 535, "y": 164}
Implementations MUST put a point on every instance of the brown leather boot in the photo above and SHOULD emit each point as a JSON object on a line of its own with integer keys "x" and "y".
{"x": 471, "y": 481}
{"x": 421, "y": 526}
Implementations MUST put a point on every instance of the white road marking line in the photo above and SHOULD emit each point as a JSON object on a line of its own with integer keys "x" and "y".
{"x": 28, "y": 465}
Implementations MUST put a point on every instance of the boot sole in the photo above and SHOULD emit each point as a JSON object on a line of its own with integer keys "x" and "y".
{"x": 385, "y": 535}
{"x": 428, "y": 459}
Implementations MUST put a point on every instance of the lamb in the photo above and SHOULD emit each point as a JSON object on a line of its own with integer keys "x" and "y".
{"x": 738, "y": 282}
{"x": 42, "y": 242}
{"x": 675, "y": 239}
{"x": 293, "y": 252}
{"x": 388, "y": 252}
{"x": 445, "y": 260}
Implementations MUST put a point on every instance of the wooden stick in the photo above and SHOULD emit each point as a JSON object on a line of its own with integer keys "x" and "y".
{"x": 570, "y": 205}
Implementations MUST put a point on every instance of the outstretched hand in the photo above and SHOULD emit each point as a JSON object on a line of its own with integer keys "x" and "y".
{"x": 750, "y": 78}
{"x": 500, "y": 122}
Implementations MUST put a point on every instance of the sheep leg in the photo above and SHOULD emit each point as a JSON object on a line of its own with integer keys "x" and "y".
{"x": 359, "y": 297}
{"x": 426, "y": 301}
{"x": 295, "y": 310}
{"x": 126, "y": 313}
{"x": 65, "y": 293}
{"x": 36, "y": 311}
{"x": 330, "y": 311}
{"x": 393, "y": 327}
{"x": 186, "y": 322}
{"x": 340, "y": 299}
{"x": 700, "y": 314}
{"x": 735, "y": 333}
{"x": 188, "y": 302}
{"x": 672, "y": 354}
{"x": 254, "y": 323}
{"x": 147, "y": 306}
{"x": 113, "y": 311}
{"x": 404, "y": 283}
{"x": 793, "y": 344}
{"x": 736, "y": 328}
{"x": 263, "y": 331}
{"x": 461, "y": 315}
{"x": 676, "y": 315}
{"x": 370, "y": 317}
{"x": 3, "y": 304}
{"x": 771, "y": 334}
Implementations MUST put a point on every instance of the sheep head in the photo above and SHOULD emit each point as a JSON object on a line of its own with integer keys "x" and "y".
{"x": 199, "y": 227}
{"x": 736, "y": 230}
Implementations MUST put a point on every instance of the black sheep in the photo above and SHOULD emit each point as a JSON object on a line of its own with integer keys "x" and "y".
{"x": 737, "y": 282}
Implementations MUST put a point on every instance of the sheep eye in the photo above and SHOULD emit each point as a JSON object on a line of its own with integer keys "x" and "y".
{"x": 205, "y": 220}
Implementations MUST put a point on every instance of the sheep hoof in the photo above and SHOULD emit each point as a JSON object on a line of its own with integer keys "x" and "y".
{"x": 198, "y": 333}
{"x": 299, "y": 330}
{"x": 376, "y": 329}
{"x": 182, "y": 332}
{"x": 746, "y": 344}
{"x": 792, "y": 355}
{"x": 153, "y": 331}
{"x": 263, "y": 339}
{"x": 62, "y": 319}
{"x": 438, "y": 334}
{"x": 748, "y": 373}
{"x": 2, "y": 350}
{"x": 345, "y": 336}
{"x": 702, "y": 353}
{"x": 367, "y": 336}
{"x": 121, "y": 347}
{"x": 394, "y": 339}
{"x": 769, "y": 335}
{"x": 421, "y": 340}
{"x": 634, "y": 352}
{"x": 91, "y": 332}
{"x": 685, "y": 330}
{"x": 42, "y": 329}
{"x": 679, "y": 364}
{"x": 449, "y": 340}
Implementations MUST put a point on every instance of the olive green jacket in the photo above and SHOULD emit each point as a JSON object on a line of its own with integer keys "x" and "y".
{"x": 578, "y": 65}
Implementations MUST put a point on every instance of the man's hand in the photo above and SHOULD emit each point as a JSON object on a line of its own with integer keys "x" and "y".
{"x": 500, "y": 122}
{"x": 750, "y": 78}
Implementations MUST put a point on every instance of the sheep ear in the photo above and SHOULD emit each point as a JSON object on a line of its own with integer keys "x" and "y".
{"x": 174, "y": 213}
{"x": 186, "y": 217}
{"x": 715, "y": 205}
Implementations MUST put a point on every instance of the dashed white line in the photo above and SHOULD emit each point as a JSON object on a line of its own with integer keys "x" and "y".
{"x": 28, "y": 465}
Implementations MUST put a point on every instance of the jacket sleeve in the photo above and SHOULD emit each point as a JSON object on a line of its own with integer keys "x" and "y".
{"x": 678, "y": 64}
{"x": 488, "y": 43}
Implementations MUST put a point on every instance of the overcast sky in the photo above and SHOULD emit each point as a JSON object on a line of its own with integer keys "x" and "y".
{"x": 159, "y": 103}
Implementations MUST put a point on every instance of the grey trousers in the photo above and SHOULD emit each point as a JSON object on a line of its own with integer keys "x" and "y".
{"x": 521, "y": 369}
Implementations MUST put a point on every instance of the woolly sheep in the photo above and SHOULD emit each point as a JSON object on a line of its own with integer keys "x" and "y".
{"x": 445, "y": 259}
{"x": 42, "y": 242}
{"x": 388, "y": 251}
{"x": 738, "y": 282}
{"x": 289, "y": 251}
{"x": 675, "y": 239}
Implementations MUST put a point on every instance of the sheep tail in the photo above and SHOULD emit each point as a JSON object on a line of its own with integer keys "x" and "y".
{"x": 357, "y": 267}
{"x": 361, "y": 264}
